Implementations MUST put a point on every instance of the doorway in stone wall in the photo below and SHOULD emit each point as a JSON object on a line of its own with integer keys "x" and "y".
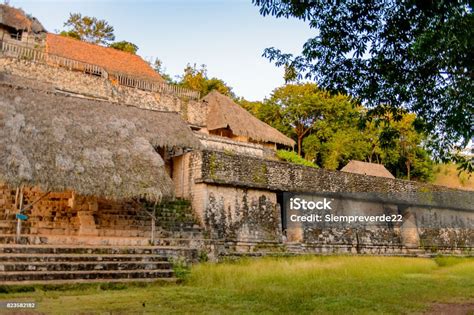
{"x": 281, "y": 204}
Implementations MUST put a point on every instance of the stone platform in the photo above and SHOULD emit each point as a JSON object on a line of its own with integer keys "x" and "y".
{"x": 52, "y": 264}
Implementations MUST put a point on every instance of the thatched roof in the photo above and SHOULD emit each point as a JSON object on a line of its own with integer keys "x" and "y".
{"x": 95, "y": 148}
{"x": 112, "y": 60}
{"x": 17, "y": 19}
{"x": 222, "y": 112}
{"x": 365, "y": 168}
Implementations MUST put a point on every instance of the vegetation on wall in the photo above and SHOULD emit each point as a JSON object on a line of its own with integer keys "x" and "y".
{"x": 125, "y": 46}
{"x": 293, "y": 157}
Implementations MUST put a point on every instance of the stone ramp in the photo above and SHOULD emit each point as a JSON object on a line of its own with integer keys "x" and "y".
{"x": 56, "y": 264}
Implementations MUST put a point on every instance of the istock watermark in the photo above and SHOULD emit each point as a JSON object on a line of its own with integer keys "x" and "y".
{"x": 302, "y": 204}
{"x": 299, "y": 203}
{"x": 387, "y": 210}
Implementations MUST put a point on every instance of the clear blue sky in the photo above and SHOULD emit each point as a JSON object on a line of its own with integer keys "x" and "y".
{"x": 229, "y": 36}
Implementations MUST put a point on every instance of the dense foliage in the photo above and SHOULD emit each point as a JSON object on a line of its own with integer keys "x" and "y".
{"x": 330, "y": 132}
{"x": 125, "y": 46}
{"x": 391, "y": 55}
{"x": 91, "y": 29}
{"x": 197, "y": 79}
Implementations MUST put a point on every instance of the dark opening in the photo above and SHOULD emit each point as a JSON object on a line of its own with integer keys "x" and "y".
{"x": 16, "y": 34}
{"x": 281, "y": 203}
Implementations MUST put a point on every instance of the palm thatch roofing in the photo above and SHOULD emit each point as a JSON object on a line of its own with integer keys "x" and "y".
{"x": 112, "y": 60}
{"x": 93, "y": 147}
{"x": 223, "y": 112}
{"x": 17, "y": 19}
{"x": 365, "y": 168}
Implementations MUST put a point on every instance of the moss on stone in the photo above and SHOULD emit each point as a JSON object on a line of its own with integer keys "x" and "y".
{"x": 260, "y": 174}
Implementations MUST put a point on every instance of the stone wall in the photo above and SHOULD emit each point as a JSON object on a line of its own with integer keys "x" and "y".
{"x": 68, "y": 218}
{"x": 227, "y": 213}
{"x": 30, "y": 40}
{"x": 78, "y": 83}
{"x": 59, "y": 213}
{"x": 220, "y": 181}
{"x": 242, "y": 214}
{"x": 251, "y": 172}
{"x": 216, "y": 143}
{"x": 429, "y": 228}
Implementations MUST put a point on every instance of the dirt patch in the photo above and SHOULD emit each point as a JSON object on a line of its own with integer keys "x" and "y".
{"x": 451, "y": 309}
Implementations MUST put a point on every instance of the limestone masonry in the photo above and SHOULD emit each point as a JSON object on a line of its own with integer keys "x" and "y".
{"x": 229, "y": 193}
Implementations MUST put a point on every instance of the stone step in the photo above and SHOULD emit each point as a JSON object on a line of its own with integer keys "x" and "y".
{"x": 7, "y": 224}
{"x": 73, "y": 249}
{"x": 84, "y": 274}
{"x": 180, "y": 234}
{"x": 81, "y": 258}
{"x": 124, "y": 219}
{"x": 7, "y": 229}
{"x": 179, "y": 242}
{"x": 82, "y": 266}
{"x": 72, "y": 239}
{"x": 77, "y": 281}
{"x": 124, "y": 232}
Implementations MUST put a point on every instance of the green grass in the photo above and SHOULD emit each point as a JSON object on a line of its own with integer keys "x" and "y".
{"x": 297, "y": 285}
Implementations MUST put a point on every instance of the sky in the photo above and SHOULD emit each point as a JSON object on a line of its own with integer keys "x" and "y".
{"x": 229, "y": 36}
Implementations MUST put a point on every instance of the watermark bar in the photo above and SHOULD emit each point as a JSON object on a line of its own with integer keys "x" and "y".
{"x": 358, "y": 210}
{"x": 17, "y": 305}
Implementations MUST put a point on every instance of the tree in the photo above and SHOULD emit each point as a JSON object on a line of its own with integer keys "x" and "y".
{"x": 413, "y": 160}
{"x": 301, "y": 106}
{"x": 336, "y": 138}
{"x": 71, "y": 34}
{"x": 89, "y": 29}
{"x": 125, "y": 46}
{"x": 329, "y": 132}
{"x": 157, "y": 65}
{"x": 416, "y": 55}
{"x": 268, "y": 112}
{"x": 197, "y": 79}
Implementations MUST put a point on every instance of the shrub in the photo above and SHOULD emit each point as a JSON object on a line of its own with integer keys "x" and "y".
{"x": 293, "y": 157}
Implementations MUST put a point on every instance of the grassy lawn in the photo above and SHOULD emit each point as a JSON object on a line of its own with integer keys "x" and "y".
{"x": 332, "y": 284}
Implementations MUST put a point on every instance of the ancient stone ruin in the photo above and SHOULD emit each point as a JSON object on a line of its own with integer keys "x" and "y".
{"x": 109, "y": 173}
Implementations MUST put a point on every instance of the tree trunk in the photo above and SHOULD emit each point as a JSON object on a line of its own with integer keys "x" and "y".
{"x": 300, "y": 140}
{"x": 408, "y": 164}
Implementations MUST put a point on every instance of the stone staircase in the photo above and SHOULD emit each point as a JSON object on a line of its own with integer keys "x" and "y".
{"x": 113, "y": 221}
{"x": 173, "y": 220}
{"x": 49, "y": 264}
{"x": 51, "y": 249}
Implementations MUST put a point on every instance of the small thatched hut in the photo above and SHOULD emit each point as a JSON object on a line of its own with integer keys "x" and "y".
{"x": 226, "y": 118}
{"x": 16, "y": 19}
{"x": 93, "y": 147}
{"x": 365, "y": 168}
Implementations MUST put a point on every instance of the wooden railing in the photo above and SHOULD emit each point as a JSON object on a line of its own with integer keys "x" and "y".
{"x": 159, "y": 87}
{"x": 76, "y": 65}
{"x": 26, "y": 53}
